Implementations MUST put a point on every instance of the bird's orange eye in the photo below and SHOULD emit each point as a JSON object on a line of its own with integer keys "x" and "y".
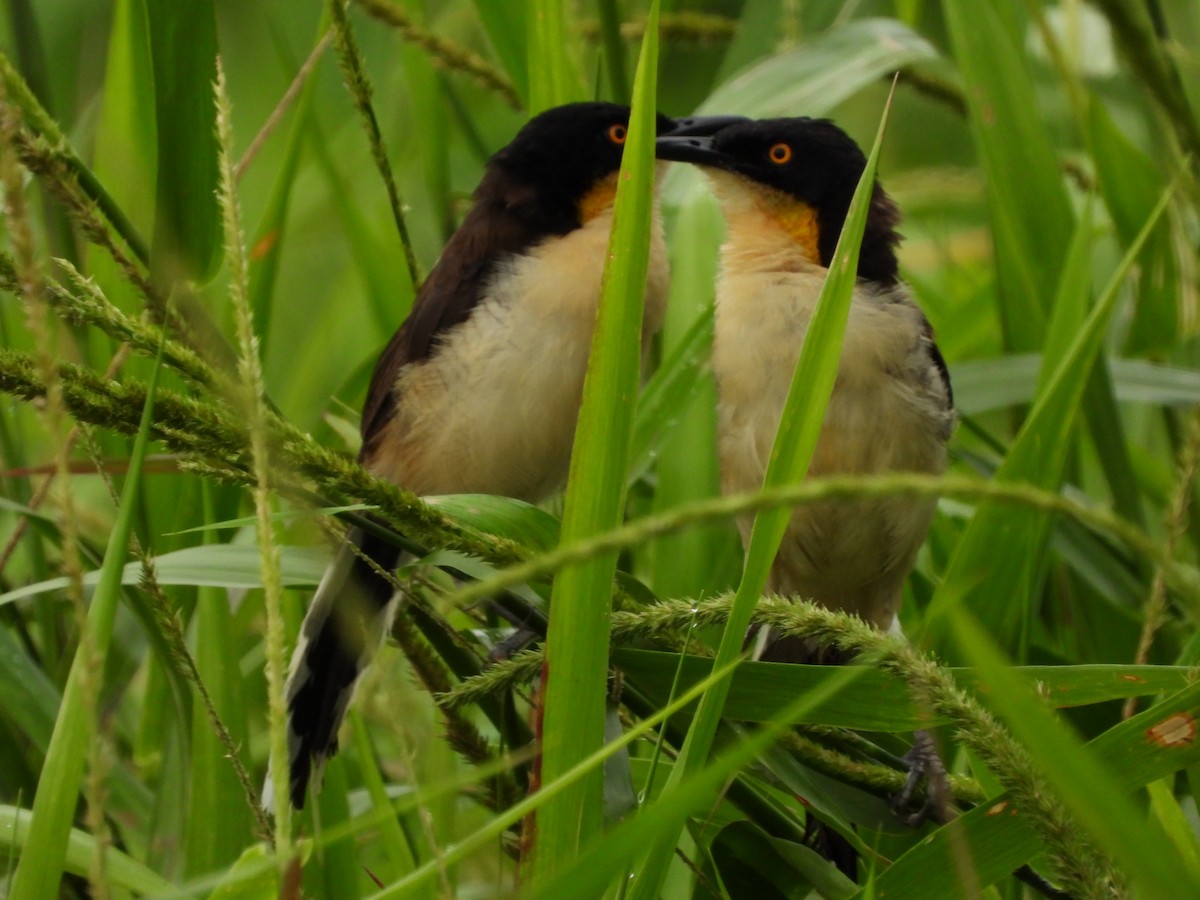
{"x": 780, "y": 154}
{"x": 616, "y": 134}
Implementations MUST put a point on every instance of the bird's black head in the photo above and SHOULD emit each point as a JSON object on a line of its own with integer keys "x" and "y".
{"x": 810, "y": 161}
{"x": 562, "y": 164}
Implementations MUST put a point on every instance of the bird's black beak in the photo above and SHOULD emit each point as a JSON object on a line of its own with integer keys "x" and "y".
{"x": 700, "y": 150}
{"x": 702, "y": 126}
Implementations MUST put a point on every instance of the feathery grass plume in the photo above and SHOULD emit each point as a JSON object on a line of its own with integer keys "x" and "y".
{"x": 498, "y": 678}
{"x": 688, "y": 25}
{"x": 203, "y": 431}
{"x": 354, "y": 74}
{"x": 819, "y": 490}
{"x": 250, "y": 372}
{"x": 207, "y": 431}
{"x": 445, "y": 53}
{"x": 55, "y": 170}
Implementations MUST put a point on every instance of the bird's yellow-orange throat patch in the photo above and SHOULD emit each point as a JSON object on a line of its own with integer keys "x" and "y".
{"x": 599, "y": 198}
{"x": 799, "y": 220}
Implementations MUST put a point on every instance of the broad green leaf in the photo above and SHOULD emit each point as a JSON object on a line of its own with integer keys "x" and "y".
{"x": 528, "y": 525}
{"x": 577, "y": 643}
{"x": 814, "y": 78}
{"x": 255, "y": 876}
{"x": 981, "y": 385}
{"x": 1130, "y": 184}
{"x": 216, "y": 565}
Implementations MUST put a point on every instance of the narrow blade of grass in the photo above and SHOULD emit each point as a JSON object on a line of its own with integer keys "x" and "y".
{"x": 550, "y": 790}
{"x": 122, "y": 870}
{"x": 187, "y": 226}
{"x": 219, "y": 823}
{"x": 611, "y": 856}
{"x": 1092, "y": 792}
{"x": 41, "y": 865}
{"x": 1026, "y": 198}
{"x": 577, "y": 645}
{"x": 554, "y": 76}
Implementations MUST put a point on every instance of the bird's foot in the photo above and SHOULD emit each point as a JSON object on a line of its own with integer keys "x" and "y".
{"x": 924, "y": 765}
{"x": 512, "y": 645}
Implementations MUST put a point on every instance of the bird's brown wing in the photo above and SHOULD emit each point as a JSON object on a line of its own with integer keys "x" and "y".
{"x": 495, "y": 229}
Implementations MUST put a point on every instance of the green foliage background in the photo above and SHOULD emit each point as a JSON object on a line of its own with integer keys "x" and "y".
{"x": 1046, "y": 159}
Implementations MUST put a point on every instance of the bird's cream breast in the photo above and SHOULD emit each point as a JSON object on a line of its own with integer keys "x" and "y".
{"x": 494, "y": 409}
{"x": 878, "y": 417}
{"x": 851, "y": 555}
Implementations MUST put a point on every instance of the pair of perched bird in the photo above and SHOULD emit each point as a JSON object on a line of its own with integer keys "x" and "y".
{"x": 479, "y": 389}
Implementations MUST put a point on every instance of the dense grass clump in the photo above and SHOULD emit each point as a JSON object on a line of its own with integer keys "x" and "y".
{"x": 216, "y": 217}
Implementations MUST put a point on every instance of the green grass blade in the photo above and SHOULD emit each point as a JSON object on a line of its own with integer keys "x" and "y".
{"x": 549, "y": 791}
{"x": 1038, "y": 456}
{"x": 122, "y": 870}
{"x": 509, "y": 36}
{"x": 1091, "y": 790}
{"x": 879, "y": 701}
{"x": 554, "y": 76}
{"x": 41, "y": 865}
{"x": 577, "y": 645}
{"x": 799, "y": 428}
{"x": 335, "y": 865}
{"x": 677, "y": 421}
{"x": 219, "y": 823}
{"x": 187, "y": 226}
{"x": 614, "y": 49}
{"x": 611, "y": 856}
{"x": 395, "y": 845}
{"x": 1026, "y": 197}
{"x": 269, "y": 239}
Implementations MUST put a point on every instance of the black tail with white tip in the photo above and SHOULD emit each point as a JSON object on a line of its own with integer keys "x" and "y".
{"x": 349, "y": 617}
